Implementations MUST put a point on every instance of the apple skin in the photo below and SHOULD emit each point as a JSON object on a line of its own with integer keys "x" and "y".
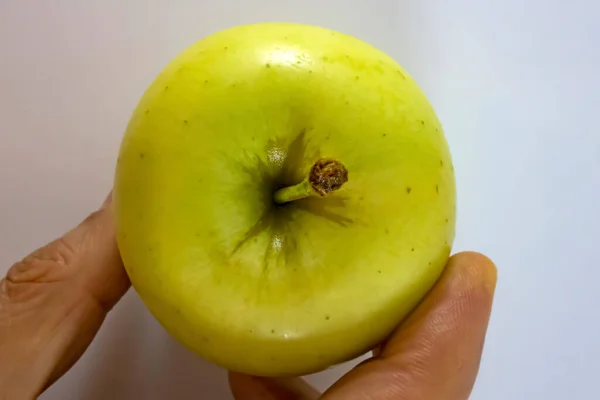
{"x": 282, "y": 290}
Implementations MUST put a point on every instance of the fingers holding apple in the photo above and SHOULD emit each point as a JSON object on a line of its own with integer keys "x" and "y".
{"x": 433, "y": 354}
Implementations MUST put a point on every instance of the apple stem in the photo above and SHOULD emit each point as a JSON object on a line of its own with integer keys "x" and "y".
{"x": 300, "y": 191}
{"x": 326, "y": 176}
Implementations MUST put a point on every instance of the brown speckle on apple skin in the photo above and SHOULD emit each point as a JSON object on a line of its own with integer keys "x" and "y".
{"x": 437, "y": 189}
{"x": 142, "y": 155}
{"x": 408, "y": 190}
{"x": 327, "y": 317}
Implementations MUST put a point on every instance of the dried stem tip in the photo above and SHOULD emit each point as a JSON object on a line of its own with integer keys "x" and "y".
{"x": 327, "y": 175}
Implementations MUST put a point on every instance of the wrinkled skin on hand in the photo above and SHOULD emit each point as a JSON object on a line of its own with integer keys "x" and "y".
{"x": 53, "y": 302}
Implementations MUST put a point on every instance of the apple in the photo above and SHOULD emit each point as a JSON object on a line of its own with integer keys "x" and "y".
{"x": 284, "y": 197}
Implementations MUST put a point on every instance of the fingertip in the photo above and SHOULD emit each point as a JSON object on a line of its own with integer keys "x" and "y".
{"x": 476, "y": 268}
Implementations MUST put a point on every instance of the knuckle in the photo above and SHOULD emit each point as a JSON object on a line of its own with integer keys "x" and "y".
{"x": 22, "y": 282}
{"x": 48, "y": 265}
{"x": 61, "y": 251}
{"x": 32, "y": 270}
{"x": 44, "y": 266}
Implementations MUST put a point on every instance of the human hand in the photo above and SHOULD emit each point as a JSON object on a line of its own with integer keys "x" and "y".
{"x": 53, "y": 302}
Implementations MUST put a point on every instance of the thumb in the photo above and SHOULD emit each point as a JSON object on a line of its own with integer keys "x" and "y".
{"x": 435, "y": 353}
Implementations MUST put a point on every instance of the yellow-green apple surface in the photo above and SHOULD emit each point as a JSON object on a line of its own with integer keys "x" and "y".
{"x": 284, "y": 197}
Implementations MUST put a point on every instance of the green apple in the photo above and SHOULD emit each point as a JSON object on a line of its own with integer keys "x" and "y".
{"x": 284, "y": 196}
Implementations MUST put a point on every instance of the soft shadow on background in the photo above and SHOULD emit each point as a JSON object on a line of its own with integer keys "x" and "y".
{"x": 515, "y": 83}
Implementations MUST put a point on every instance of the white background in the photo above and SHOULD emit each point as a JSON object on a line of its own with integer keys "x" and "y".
{"x": 516, "y": 84}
